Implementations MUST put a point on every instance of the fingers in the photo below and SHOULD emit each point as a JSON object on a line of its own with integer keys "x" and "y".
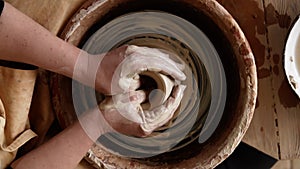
{"x": 173, "y": 56}
{"x": 127, "y": 83}
{"x": 120, "y": 124}
{"x": 128, "y": 102}
{"x": 144, "y": 58}
{"x": 174, "y": 101}
{"x": 138, "y": 96}
{"x": 178, "y": 92}
{"x": 162, "y": 114}
{"x": 128, "y": 105}
{"x": 135, "y": 97}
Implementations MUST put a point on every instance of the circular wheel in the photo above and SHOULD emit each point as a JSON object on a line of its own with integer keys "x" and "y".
{"x": 221, "y": 86}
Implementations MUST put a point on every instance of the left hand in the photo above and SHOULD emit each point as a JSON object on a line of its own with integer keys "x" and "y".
{"x": 119, "y": 69}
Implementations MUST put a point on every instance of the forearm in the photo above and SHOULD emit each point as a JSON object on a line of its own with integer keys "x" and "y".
{"x": 65, "y": 150}
{"x": 24, "y": 40}
{"x": 28, "y": 42}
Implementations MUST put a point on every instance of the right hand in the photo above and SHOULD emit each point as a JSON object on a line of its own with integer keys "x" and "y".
{"x": 121, "y": 112}
{"x": 124, "y": 113}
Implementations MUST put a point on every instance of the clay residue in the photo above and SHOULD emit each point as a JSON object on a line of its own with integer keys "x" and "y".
{"x": 287, "y": 97}
{"x": 276, "y": 58}
{"x": 276, "y": 67}
{"x": 235, "y": 31}
{"x": 274, "y": 17}
{"x": 276, "y": 70}
{"x": 81, "y": 15}
{"x": 263, "y": 73}
{"x": 244, "y": 49}
{"x": 252, "y": 22}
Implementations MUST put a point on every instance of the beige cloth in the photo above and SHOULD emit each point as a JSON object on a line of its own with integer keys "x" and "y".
{"x": 16, "y": 88}
{"x": 52, "y": 14}
{"x": 41, "y": 115}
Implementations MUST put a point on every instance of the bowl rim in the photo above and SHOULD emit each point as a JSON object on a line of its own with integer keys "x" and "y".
{"x": 292, "y": 72}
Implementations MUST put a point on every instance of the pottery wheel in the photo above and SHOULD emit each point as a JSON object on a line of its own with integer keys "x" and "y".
{"x": 206, "y": 83}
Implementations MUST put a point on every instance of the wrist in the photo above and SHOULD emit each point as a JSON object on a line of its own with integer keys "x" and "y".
{"x": 94, "y": 124}
{"x": 86, "y": 70}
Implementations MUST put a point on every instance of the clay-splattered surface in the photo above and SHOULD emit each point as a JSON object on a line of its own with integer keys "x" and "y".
{"x": 275, "y": 128}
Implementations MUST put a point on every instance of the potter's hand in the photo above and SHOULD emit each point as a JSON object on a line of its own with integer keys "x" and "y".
{"x": 123, "y": 65}
{"x": 125, "y": 114}
{"x": 157, "y": 117}
{"x": 122, "y": 112}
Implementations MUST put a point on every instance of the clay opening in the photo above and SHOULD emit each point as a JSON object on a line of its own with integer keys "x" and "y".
{"x": 147, "y": 83}
{"x": 150, "y": 86}
{"x": 158, "y": 87}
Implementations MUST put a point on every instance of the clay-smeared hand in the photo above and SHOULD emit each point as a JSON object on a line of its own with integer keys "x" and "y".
{"x": 123, "y": 66}
{"x": 158, "y": 116}
{"x": 122, "y": 111}
{"x": 125, "y": 114}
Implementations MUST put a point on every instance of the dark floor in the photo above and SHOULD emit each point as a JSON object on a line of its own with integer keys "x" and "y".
{"x": 246, "y": 157}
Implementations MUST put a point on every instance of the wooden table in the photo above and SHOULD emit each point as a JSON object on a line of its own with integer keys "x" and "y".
{"x": 275, "y": 129}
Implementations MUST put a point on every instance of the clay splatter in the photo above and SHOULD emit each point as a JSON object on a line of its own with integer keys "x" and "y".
{"x": 287, "y": 97}
{"x": 276, "y": 61}
{"x": 254, "y": 16}
{"x": 263, "y": 73}
{"x": 274, "y": 17}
